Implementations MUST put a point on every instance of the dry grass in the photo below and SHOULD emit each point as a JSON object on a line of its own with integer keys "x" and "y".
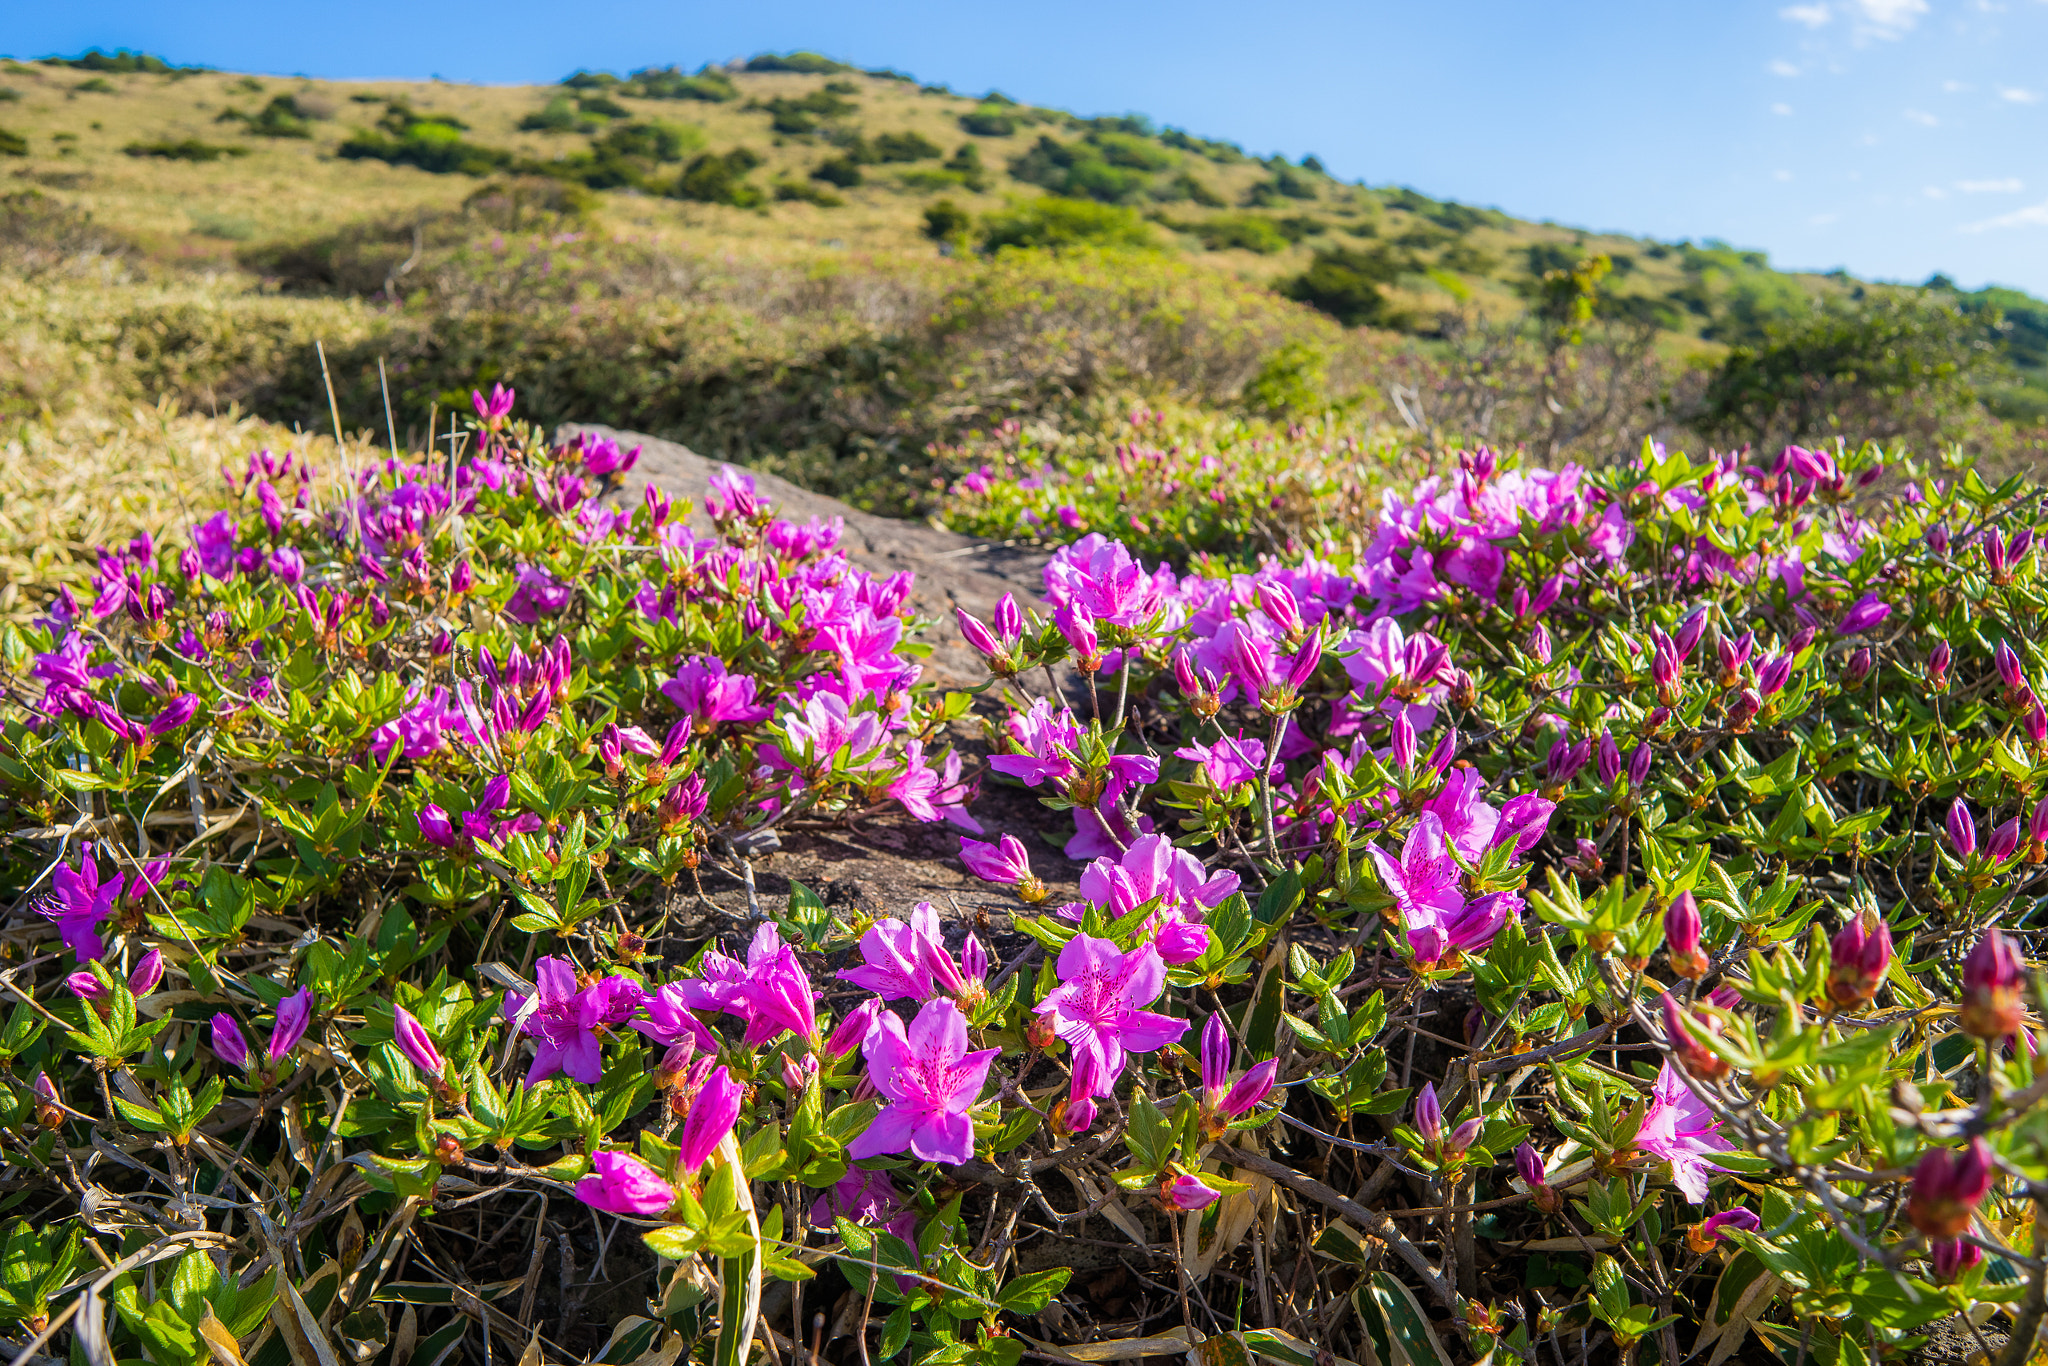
{"x": 69, "y": 485}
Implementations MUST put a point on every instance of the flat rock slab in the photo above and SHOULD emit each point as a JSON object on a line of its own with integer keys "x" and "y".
{"x": 951, "y": 570}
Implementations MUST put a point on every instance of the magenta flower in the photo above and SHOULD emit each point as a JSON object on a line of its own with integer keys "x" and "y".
{"x": 930, "y": 1079}
{"x": 1228, "y": 762}
{"x": 1954, "y": 1258}
{"x": 229, "y": 1046}
{"x": 1185, "y": 1192}
{"x": 1045, "y": 743}
{"x": 1741, "y": 1220}
{"x": 853, "y": 1031}
{"x": 1866, "y": 614}
{"x": 622, "y": 1184}
{"x": 892, "y": 963}
{"x": 1218, "y": 1095}
{"x": 562, "y": 1021}
{"x": 147, "y": 972}
{"x": 1426, "y": 882}
{"x": 1679, "y": 1129}
{"x": 85, "y": 987}
{"x": 538, "y": 594}
{"x": 777, "y": 995}
{"x": 82, "y": 902}
{"x": 1099, "y": 1007}
{"x": 712, "y": 1114}
{"x": 706, "y": 693}
{"x": 1468, "y": 930}
{"x": 1962, "y": 829}
{"x": 868, "y": 1198}
{"x": 414, "y": 1041}
{"x": 1008, "y": 864}
{"x": 1948, "y": 1185}
{"x": 934, "y": 794}
{"x": 669, "y": 1021}
{"x": 294, "y": 1013}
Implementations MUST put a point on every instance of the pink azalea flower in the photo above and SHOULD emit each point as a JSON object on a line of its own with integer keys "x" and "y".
{"x": 867, "y": 1198}
{"x": 1425, "y": 881}
{"x": 1679, "y": 1128}
{"x": 930, "y": 1079}
{"x": 713, "y": 1112}
{"x": 669, "y": 1020}
{"x": 622, "y": 1184}
{"x": 1099, "y": 1006}
{"x": 705, "y": 692}
{"x": 564, "y": 1021}
{"x": 934, "y": 794}
{"x": 82, "y": 902}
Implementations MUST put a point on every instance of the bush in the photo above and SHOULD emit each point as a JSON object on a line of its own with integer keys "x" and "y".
{"x": 890, "y": 147}
{"x": 185, "y": 149}
{"x": 1344, "y": 282}
{"x": 1393, "y": 838}
{"x": 806, "y": 63}
{"x": 431, "y": 142}
{"x": 1076, "y": 171}
{"x": 1243, "y": 232}
{"x": 720, "y": 178}
{"x": 989, "y": 121}
{"x": 801, "y": 191}
{"x": 840, "y": 171}
{"x": 602, "y": 106}
{"x": 1890, "y": 365}
{"x": 946, "y": 221}
{"x": 558, "y": 115}
{"x": 12, "y": 144}
{"x": 667, "y": 83}
{"x": 1055, "y": 222}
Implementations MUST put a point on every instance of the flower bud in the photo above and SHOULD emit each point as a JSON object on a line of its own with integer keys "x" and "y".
{"x": 1184, "y": 1192}
{"x": 1401, "y": 743}
{"x": 1306, "y": 660}
{"x": 414, "y": 1041}
{"x": 1529, "y": 1166}
{"x": 1682, "y": 937}
{"x": 1954, "y": 1258}
{"x": 1282, "y": 608}
{"x": 1948, "y": 1185}
{"x": 1694, "y": 1056}
{"x": 2010, "y": 671}
{"x": 1858, "y": 958}
{"x": 1429, "y": 1117}
{"x": 1744, "y": 708}
{"x": 1861, "y": 662}
{"x": 1464, "y": 1136}
{"x": 49, "y": 1106}
{"x": 1538, "y": 643}
{"x": 1938, "y": 662}
{"x": 1742, "y": 1219}
{"x": 1638, "y": 768}
{"x": 2002, "y": 842}
{"x": 148, "y": 971}
{"x": 1609, "y": 765}
{"x": 1009, "y": 622}
{"x": 1184, "y": 674}
{"x": 976, "y": 634}
{"x": 228, "y": 1044}
{"x": 1992, "y": 976}
{"x": 1962, "y": 829}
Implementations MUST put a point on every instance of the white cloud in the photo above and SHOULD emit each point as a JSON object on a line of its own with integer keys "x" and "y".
{"x": 1923, "y": 118}
{"x": 1784, "y": 68}
{"x": 2009, "y": 185}
{"x": 1781, "y": 109}
{"x": 1781, "y": 175}
{"x": 2033, "y": 216}
{"x": 1813, "y": 16}
{"x": 1935, "y": 192}
{"x": 1821, "y": 220}
{"x": 1889, "y": 18}
{"x": 2019, "y": 96}
{"x": 1957, "y": 87}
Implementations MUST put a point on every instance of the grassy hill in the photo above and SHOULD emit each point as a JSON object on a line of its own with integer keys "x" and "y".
{"x": 796, "y": 238}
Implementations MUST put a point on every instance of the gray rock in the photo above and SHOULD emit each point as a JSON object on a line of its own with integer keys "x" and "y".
{"x": 952, "y": 570}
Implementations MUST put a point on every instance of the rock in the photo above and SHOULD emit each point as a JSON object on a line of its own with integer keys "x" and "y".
{"x": 952, "y": 570}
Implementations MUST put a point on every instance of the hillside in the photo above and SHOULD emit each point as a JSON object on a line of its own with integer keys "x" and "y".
{"x": 799, "y": 162}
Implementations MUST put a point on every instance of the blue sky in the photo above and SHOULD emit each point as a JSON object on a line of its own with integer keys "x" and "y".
{"x": 1891, "y": 137}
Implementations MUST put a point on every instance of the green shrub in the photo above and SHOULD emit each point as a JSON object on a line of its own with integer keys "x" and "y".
{"x": 720, "y": 178}
{"x": 989, "y": 121}
{"x": 1056, "y": 222}
{"x": 840, "y": 171}
{"x": 185, "y": 149}
{"x": 1187, "y": 187}
{"x": 1344, "y": 282}
{"x": 807, "y": 193}
{"x": 431, "y": 142}
{"x": 1130, "y": 151}
{"x": 97, "y": 85}
{"x": 119, "y": 62}
{"x": 1076, "y": 171}
{"x": 1241, "y": 232}
{"x": 890, "y": 147}
{"x": 12, "y": 144}
{"x": 802, "y": 114}
{"x": 806, "y": 63}
{"x": 558, "y": 115}
{"x": 946, "y": 221}
{"x": 667, "y": 83}
{"x": 1890, "y": 365}
{"x": 602, "y": 106}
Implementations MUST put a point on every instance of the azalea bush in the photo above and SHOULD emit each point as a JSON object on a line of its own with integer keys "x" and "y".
{"x": 1567, "y": 917}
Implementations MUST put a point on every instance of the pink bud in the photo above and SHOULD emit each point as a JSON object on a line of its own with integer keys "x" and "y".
{"x": 414, "y": 1041}
{"x": 1401, "y": 743}
{"x": 1992, "y": 978}
{"x": 1009, "y": 621}
{"x": 1948, "y": 1185}
{"x": 1962, "y": 829}
{"x": 146, "y": 974}
{"x": 1429, "y": 1116}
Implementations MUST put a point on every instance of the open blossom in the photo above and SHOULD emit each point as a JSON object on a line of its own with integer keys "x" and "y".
{"x": 1679, "y": 1128}
{"x": 1098, "y": 1008}
{"x": 866, "y": 1197}
{"x": 1045, "y": 742}
{"x": 1153, "y": 869}
{"x": 708, "y": 693}
{"x": 83, "y": 900}
{"x": 930, "y": 1078}
{"x": 934, "y": 794}
{"x": 669, "y": 1021}
{"x": 563, "y": 1021}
